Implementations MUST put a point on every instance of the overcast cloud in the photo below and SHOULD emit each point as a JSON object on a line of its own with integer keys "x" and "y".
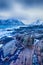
{"x": 23, "y": 11}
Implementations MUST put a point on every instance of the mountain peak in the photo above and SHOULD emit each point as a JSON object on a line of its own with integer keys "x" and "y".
{"x": 11, "y": 23}
{"x": 37, "y": 22}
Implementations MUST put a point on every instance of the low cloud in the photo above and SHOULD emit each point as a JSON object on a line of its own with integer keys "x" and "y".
{"x": 23, "y": 13}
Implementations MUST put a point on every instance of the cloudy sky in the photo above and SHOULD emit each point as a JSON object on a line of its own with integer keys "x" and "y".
{"x": 26, "y": 11}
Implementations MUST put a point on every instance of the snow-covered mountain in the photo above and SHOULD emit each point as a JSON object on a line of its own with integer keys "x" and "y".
{"x": 10, "y": 22}
{"x": 38, "y": 22}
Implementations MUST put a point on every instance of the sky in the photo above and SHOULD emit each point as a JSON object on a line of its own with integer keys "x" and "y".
{"x": 26, "y": 11}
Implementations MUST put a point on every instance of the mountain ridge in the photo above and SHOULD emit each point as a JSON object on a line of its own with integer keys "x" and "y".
{"x": 37, "y": 22}
{"x": 10, "y": 23}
